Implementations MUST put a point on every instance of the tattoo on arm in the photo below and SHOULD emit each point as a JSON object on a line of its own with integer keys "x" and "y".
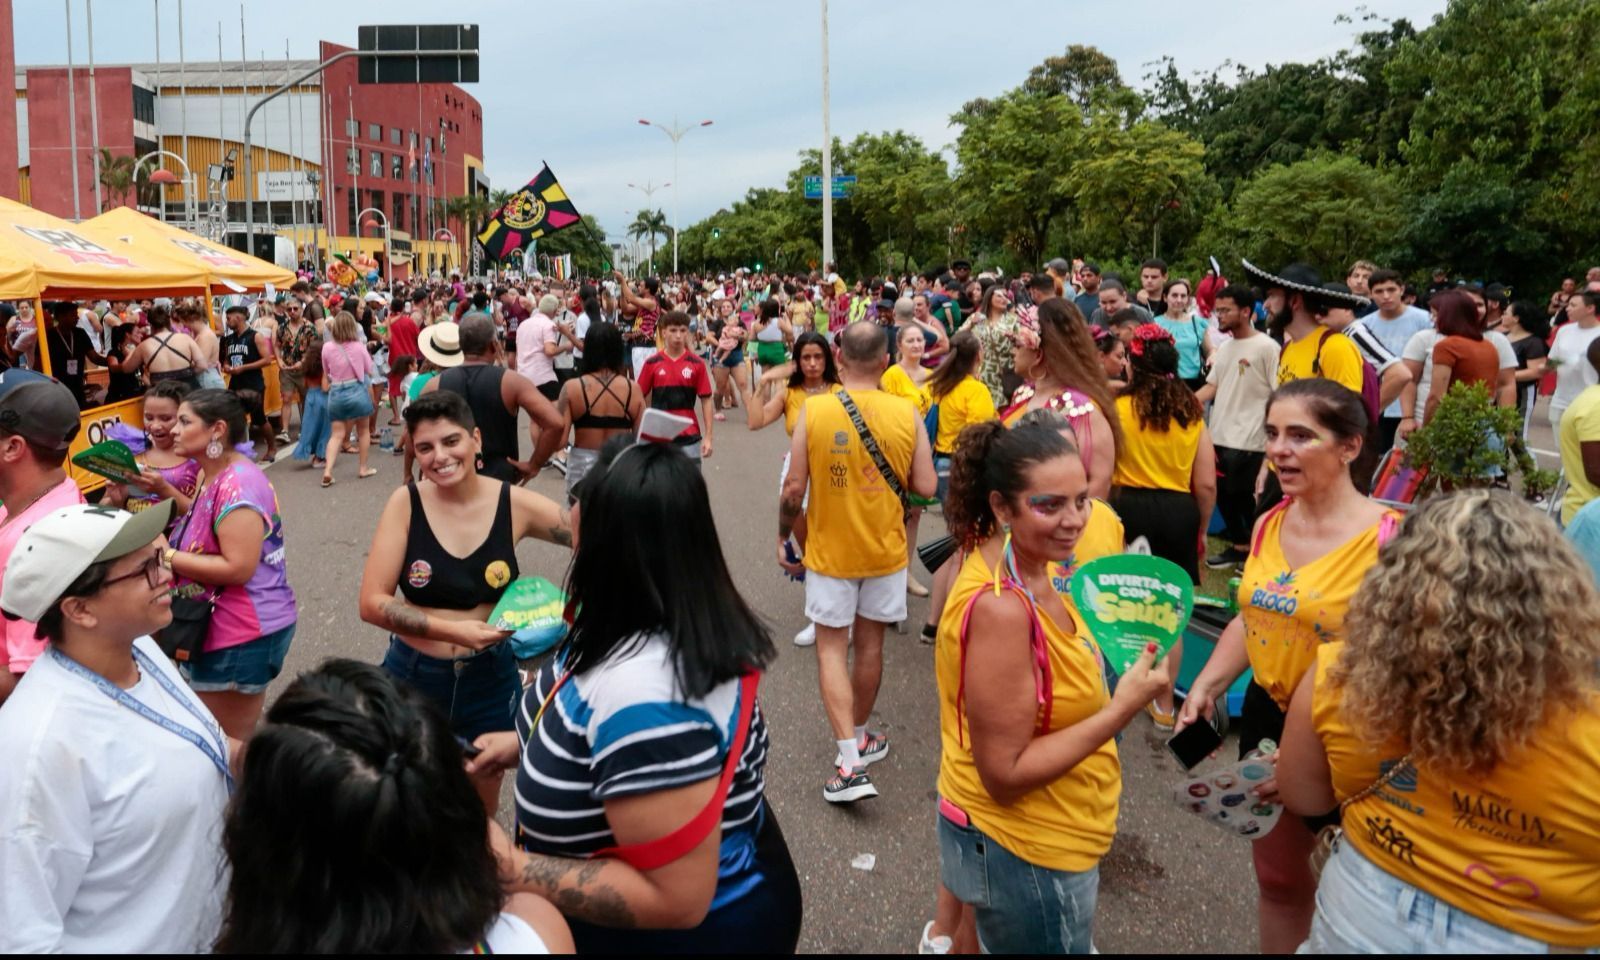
{"x": 788, "y": 513}
{"x": 570, "y": 885}
{"x": 404, "y": 618}
{"x": 561, "y": 533}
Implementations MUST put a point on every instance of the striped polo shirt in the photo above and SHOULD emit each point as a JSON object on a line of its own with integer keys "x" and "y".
{"x": 624, "y": 728}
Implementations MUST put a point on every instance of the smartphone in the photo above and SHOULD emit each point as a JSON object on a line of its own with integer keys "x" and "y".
{"x": 1194, "y": 743}
{"x": 469, "y": 749}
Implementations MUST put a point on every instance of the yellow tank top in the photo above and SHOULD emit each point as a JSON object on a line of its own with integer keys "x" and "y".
{"x": 794, "y": 399}
{"x": 896, "y": 381}
{"x": 1288, "y": 613}
{"x": 855, "y": 525}
{"x": 968, "y": 402}
{"x": 1518, "y": 848}
{"x": 1068, "y": 824}
{"x": 1152, "y": 459}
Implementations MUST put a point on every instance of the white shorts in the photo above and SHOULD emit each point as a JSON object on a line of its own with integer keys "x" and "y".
{"x": 640, "y": 355}
{"x": 836, "y": 603}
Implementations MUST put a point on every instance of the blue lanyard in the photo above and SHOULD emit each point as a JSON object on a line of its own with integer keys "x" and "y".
{"x": 213, "y": 752}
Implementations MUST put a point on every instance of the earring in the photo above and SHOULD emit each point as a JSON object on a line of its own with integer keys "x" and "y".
{"x": 214, "y": 449}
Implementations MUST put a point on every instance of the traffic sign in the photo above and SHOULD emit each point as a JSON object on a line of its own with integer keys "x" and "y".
{"x": 842, "y": 187}
{"x": 460, "y": 67}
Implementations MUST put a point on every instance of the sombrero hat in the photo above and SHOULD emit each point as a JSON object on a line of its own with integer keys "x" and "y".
{"x": 441, "y": 343}
{"x": 1303, "y": 279}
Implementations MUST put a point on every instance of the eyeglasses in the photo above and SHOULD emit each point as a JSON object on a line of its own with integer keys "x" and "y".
{"x": 150, "y": 570}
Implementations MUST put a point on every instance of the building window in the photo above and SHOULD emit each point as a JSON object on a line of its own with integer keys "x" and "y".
{"x": 350, "y": 207}
{"x": 399, "y": 215}
{"x": 394, "y": 135}
{"x": 144, "y": 105}
{"x": 413, "y": 139}
{"x": 352, "y": 129}
{"x": 375, "y": 163}
{"x": 352, "y": 161}
{"x": 375, "y": 132}
{"x": 397, "y": 167}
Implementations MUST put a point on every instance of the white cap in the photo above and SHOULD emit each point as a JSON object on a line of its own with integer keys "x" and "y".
{"x": 55, "y": 551}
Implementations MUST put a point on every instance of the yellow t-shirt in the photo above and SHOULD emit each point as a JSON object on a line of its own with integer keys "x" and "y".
{"x": 1067, "y": 824}
{"x": 968, "y": 402}
{"x": 1288, "y": 613}
{"x": 855, "y": 526}
{"x": 1340, "y": 361}
{"x": 1151, "y": 459}
{"x": 1579, "y": 423}
{"x": 1517, "y": 848}
{"x": 896, "y": 381}
{"x": 794, "y": 399}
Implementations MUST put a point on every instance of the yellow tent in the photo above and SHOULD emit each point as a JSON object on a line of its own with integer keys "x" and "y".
{"x": 45, "y": 256}
{"x": 230, "y": 271}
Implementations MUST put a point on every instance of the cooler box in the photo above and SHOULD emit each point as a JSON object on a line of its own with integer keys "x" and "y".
{"x": 1199, "y": 640}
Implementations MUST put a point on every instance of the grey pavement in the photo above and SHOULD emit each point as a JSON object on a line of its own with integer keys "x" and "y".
{"x": 1170, "y": 884}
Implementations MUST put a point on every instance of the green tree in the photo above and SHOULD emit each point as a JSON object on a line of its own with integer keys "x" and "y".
{"x": 649, "y": 223}
{"x": 1326, "y": 210}
{"x": 1136, "y": 185}
{"x": 1016, "y": 168}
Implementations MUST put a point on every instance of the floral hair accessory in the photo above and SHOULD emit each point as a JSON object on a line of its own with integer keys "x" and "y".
{"x": 1147, "y": 333}
{"x": 1098, "y": 332}
{"x": 1026, "y": 333}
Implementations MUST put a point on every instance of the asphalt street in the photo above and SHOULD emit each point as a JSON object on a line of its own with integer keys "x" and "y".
{"x": 1172, "y": 883}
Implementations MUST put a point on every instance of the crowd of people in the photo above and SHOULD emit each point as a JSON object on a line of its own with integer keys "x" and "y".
{"x": 1421, "y": 676}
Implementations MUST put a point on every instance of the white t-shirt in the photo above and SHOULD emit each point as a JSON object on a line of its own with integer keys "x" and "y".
{"x": 567, "y": 359}
{"x": 511, "y": 935}
{"x": 1569, "y": 355}
{"x": 1245, "y": 372}
{"x": 1420, "y": 348}
{"x": 110, "y": 826}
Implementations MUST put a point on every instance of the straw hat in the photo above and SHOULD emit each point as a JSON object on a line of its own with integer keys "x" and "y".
{"x": 441, "y": 343}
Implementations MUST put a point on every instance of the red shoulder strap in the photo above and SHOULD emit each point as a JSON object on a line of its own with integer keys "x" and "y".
{"x": 1261, "y": 528}
{"x": 1043, "y": 676}
{"x": 657, "y": 853}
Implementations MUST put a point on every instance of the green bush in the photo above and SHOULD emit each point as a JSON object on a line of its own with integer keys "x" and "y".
{"x": 1456, "y": 447}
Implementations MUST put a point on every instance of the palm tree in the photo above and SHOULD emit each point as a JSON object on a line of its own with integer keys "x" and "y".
{"x": 499, "y": 198}
{"x": 116, "y": 174}
{"x": 649, "y": 223}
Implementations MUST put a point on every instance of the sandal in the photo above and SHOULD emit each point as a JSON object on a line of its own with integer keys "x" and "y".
{"x": 327, "y": 481}
{"x": 369, "y": 472}
{"x": 351, "y": 449}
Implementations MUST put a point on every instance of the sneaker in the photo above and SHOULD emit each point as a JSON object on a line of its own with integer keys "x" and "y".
{"x": 875, "y": 749}
{"x": 806, "y": 637}
{"x": 283, "y": 437}
{"x": 1230, "y": 557}
{"x": 559, "y": 464}
{"x": 931, "y": 944}
{"x": 848, "y": 786}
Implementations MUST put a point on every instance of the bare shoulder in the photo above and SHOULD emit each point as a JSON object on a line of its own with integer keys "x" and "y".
{"x": 544, "y": 918}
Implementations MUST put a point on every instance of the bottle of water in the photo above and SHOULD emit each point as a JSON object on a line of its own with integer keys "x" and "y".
{"x": 386, "y": 438}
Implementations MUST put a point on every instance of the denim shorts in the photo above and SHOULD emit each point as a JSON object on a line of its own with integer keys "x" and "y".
{"x": 1020, "y": 908}
{"x": 478, "y": 693}
{"x": 246, "y": 668}
{"x": 1362, "y": 908}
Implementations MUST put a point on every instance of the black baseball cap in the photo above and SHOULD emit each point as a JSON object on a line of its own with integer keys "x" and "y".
{"x": 38, "y": 409}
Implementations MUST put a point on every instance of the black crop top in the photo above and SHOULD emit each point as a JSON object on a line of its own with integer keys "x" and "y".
{"x": 591, "y": 420}
{"x": 432, "y": 577}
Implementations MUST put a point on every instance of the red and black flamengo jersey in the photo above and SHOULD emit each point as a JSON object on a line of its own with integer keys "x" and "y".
{"x": 674, "y": 386}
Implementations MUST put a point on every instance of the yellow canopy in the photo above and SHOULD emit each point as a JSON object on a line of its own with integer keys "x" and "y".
{"x": 230, "y": 270}
{"x": 45, "y": 256}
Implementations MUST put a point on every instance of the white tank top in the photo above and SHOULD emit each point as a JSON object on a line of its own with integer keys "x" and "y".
{"x": 511, "y": 934}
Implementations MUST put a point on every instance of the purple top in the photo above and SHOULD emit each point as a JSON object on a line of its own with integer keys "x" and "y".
{"x": 265, "y": 604}
{"x": 184, "y": 477}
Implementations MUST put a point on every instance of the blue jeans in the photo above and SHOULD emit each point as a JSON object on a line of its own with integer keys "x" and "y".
{"x": 1020, "y": 908}
{"x": 246, "y": 668}
{"x": 1362, "y": 908}
{"x": 477, "y": 693}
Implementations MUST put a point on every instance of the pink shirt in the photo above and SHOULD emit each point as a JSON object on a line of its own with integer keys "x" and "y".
{"x": 532, "y": 334}
{"x": 21, "y": 647}
{"x": 345, "y": 361}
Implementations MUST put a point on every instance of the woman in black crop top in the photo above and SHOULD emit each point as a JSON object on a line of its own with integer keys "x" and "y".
{"x": 599, "y": 404}
{"x": 448, "y": 543}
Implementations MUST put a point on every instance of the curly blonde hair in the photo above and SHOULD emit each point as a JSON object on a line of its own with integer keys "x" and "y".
{"x": 1478, "y": 623}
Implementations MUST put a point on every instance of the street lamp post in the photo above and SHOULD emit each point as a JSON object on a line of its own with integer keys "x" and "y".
{"x": 442, "y": 232}
{"x": 676, "y": 132}
{"x": 189, "y": 212}
{"x": 388, "y": 259}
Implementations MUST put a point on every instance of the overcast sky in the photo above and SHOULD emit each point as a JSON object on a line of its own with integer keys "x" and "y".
{"x": 567, "y": 82}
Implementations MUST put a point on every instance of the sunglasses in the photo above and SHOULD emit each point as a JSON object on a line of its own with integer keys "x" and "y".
{"x": 150, "y": 570}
